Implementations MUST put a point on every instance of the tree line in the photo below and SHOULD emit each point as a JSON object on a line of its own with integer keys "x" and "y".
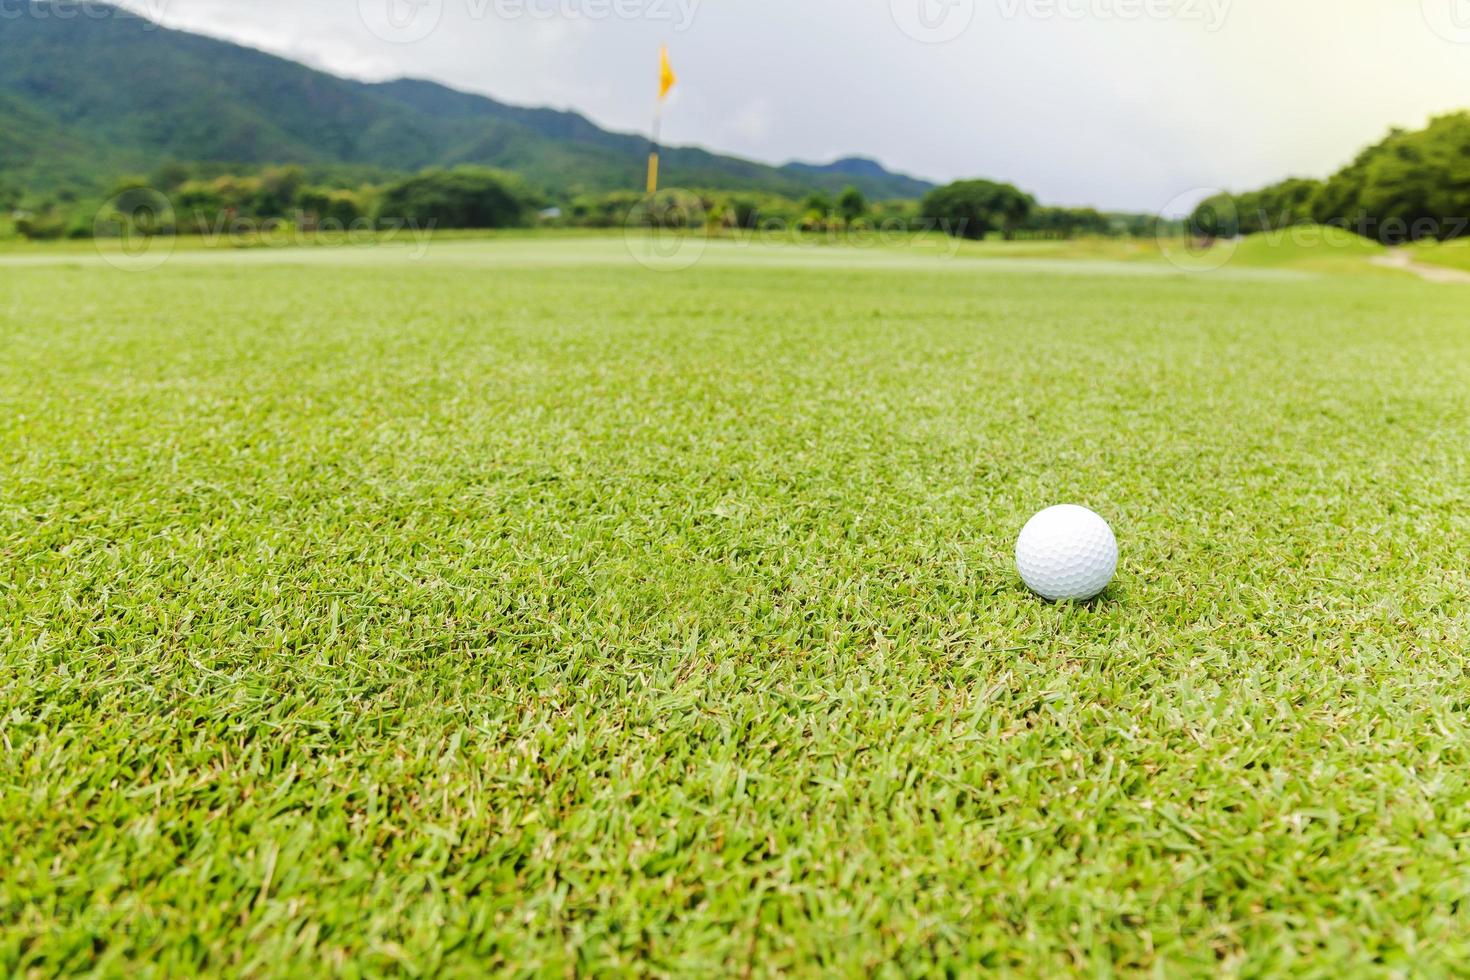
{"x": 1409, "y": 186}
{"x": 184, "y": 200}
{"x": 210, "y": 200}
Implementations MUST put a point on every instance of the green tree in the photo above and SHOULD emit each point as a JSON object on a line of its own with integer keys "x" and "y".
{"x": 43, "y": 222}
{"x": 745, "y": 212}
{"x": 1279, "y": 206}
{"x": 1049, "y": 222}
{"x": 200, "y": 205}
{"x": 278, "y": 189}
{"x": 1409, "y": 185}
{"x": 975, "y": 208}
{"x": 467, "y": 197}
{"x": 171, "y": 176}
{"x": 603, "y": 210}
{"x": 818, "y": 202}
{"x": 1215, "y": 217}
{"x": 852, "y": 204}
{"x": 323, "y": 206}
{"x": 1145, "y": 225}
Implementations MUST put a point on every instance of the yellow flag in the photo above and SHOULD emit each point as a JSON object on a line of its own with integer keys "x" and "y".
{"x": 666, "y": 76}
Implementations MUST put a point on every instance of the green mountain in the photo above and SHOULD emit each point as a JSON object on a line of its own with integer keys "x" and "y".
{"x": 84, "y": 99}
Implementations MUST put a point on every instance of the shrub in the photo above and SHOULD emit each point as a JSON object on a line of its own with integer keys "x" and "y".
{"x": 468, "y": 197}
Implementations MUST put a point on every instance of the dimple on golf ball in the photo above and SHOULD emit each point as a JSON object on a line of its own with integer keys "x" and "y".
{"x": 1067, "y": 552}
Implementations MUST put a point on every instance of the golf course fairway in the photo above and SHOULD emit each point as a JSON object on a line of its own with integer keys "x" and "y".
{"x": 508, "y": 602}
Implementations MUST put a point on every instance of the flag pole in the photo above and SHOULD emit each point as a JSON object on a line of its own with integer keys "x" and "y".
{"x": 658, "y": 118}
{"x": 666, "y": 81}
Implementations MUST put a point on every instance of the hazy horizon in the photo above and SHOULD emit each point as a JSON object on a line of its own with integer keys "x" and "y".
{"x": 1122, "y": 104}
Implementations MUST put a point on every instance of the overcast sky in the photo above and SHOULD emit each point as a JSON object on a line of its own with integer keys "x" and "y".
{"x": 1118, "y": 103}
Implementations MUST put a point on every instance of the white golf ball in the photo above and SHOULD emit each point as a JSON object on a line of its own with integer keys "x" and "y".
{"x": 1067, "y": 552}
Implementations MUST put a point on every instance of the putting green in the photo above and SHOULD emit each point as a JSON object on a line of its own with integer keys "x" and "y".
{"x": 519, "y": 606}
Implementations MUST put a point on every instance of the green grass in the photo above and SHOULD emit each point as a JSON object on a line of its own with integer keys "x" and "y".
{"x": 1310, "y": 248}
{"x": 1452, "y": 254}
{"x": 523, "y": 609}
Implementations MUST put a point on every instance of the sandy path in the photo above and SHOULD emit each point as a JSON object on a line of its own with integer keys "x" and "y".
{"x": 1398, "y": 258}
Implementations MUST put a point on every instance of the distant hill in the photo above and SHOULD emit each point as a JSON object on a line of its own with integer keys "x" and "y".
{"x": 857, "y": 170}
{"x": 84, "y": 99}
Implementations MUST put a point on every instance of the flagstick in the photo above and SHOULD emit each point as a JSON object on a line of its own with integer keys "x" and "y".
{"x": 658, "y": 118}
{"x": 658, "y": 114}
{"x": 666, "y": 80}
